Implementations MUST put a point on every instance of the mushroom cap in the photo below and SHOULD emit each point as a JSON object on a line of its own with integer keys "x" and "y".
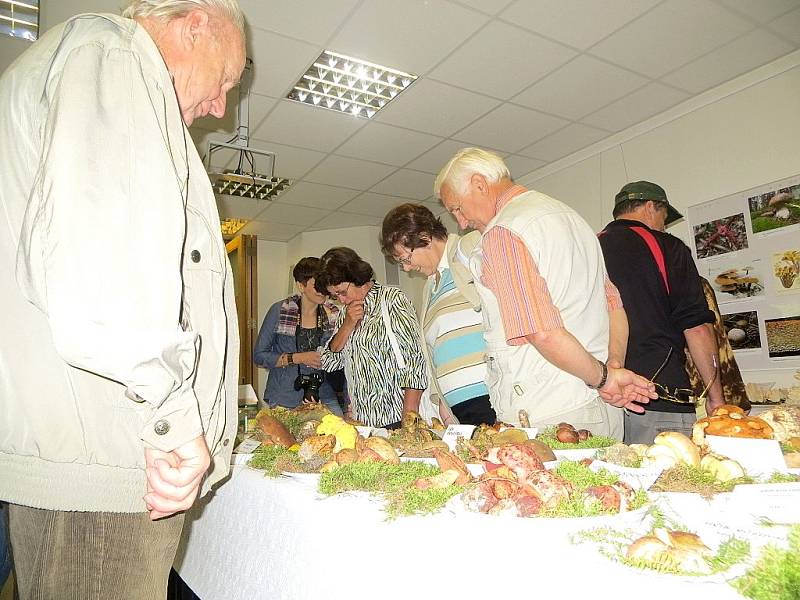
{"x": 780, "y": 198}
{"x": 724, "y": 280}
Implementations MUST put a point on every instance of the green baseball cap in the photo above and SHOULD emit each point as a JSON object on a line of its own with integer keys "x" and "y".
{"x": 645, "y": 190}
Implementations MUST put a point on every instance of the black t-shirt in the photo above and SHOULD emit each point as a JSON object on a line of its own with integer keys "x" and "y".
{"x": 656, "y": 318}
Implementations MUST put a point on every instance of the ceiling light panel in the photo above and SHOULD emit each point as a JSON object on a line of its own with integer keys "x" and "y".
{"x": 349, "y": 85}
{"x": 248, "y": 185}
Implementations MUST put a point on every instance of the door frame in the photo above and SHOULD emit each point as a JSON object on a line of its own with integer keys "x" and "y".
{"x": 247, "y": 301}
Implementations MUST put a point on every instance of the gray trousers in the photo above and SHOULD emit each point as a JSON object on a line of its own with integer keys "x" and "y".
{"x": 60, "y": 555}
{"x": 642, "y": 429}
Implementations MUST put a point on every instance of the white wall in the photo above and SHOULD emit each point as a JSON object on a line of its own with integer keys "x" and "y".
{"x": 740, "y": 135}
{"x": 273, "y": 285}
{"x": 364, "y": 240}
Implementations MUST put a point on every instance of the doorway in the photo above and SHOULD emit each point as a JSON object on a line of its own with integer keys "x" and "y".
{"x": 243, "y": 258}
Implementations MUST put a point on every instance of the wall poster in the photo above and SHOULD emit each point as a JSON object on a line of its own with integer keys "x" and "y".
{"x": 748, "y": 247}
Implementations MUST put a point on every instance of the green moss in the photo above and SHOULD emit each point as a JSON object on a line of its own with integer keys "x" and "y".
{"x": 778, "y": 477}
{"x": 688, "y": 478}
{"x": 548, "y": 436}
{"x": 582, "y": 477}
{"x": 394, "y": 482}
{"x": 776, "y": 575}
{"x": 411, "y": 501}
{"x": 273, "y": 459}
{"x": 291, "y": 420}
{"x": 731, "y": 552}
{"x": 578, "y": 504}
{"x": 373, "y": 477}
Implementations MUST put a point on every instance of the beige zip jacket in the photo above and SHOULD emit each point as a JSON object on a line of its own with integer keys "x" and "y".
{"x": 117, "y": 314}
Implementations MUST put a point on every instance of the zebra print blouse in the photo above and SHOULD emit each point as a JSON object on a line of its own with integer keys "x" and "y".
{"x": 374, "y": 381}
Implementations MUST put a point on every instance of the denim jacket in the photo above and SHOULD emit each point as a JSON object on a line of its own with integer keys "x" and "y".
{"x": 277, "y": 336}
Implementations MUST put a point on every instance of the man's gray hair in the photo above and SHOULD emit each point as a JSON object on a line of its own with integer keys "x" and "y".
{"x": 468, "y": 161}
{"x": 172, "y": 9}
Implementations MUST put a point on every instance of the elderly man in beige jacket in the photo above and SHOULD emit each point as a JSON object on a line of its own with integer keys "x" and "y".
{"x": 119, "y": 347}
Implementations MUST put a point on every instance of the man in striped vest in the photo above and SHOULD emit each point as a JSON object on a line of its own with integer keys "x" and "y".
{"x": 547, "y": 305}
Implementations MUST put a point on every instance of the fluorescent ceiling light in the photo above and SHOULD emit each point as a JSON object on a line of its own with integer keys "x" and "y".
{"x": 349, "y": 85}
{"x": 20, "y": 19}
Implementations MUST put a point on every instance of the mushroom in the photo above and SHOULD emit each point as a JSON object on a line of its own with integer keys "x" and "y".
{"x": 728, "y": 288}
{"x": 780, "y": 198}
{"x": 723, "y": 281}
{"x": 736, "y": 335}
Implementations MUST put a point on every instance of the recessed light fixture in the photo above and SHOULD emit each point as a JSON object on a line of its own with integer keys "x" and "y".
{"x": 349, "y": 85}
{"x": 248, "y": 184}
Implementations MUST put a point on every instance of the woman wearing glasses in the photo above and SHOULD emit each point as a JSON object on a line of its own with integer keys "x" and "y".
{"x": 289, "y": 341}
{"x": 416, "y": 239}
{"x": 377, "y": 340}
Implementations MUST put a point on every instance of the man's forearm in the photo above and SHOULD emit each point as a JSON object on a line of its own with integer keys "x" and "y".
{"x": 618, "y": 336}
{"x": 702, "y": 345}
{"x": 564, "y": 351}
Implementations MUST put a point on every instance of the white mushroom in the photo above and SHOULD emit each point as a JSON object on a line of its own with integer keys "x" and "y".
{"x": 736, "y": 335}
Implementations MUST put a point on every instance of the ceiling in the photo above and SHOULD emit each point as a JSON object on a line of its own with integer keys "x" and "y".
{"x": 535, "y": 80}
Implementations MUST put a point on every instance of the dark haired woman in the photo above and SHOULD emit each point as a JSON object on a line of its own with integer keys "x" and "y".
{"x": 377, "y": 340}
{"x": 417, "y": 240}
{"x": 288, "y": 344}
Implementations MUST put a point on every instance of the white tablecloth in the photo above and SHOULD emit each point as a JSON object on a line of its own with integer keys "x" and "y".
{"x": 261, "y": 538}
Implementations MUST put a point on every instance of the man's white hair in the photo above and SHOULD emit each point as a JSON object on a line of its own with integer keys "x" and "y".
{"x": 468, "y": 161}
{"x": 172, "y": 9}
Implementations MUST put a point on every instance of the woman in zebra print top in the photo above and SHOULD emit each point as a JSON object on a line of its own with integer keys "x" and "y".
{"x": 380, "y": 391}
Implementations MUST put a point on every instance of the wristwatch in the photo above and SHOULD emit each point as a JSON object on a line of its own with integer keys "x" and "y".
{"x": 603, "y": 379}
{"x": 290, "y": 358}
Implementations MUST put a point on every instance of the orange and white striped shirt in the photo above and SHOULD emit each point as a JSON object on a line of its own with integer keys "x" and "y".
{"x": 512, "y": 275}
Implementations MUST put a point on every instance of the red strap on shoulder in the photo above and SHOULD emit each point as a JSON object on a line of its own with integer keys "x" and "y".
{"x": 655, "y": 250}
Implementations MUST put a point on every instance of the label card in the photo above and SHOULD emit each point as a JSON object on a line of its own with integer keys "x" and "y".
{"x": 773, "y": 502}
{"x": 638, "y": 478}
{"x": 363, "y": 430}
{"x": 758, "y": 457}
{"x": 247, "y": 446}
{"x": 452, "y": 433}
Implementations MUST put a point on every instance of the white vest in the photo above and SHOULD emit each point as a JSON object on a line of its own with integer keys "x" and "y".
{"x": 568, "y": 256}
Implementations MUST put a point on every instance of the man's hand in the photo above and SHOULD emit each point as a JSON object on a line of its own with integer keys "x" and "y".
{"x": 310, "y": 359}
{"x": 711, "y": 405}
{"x": 354, "y": 314}
{"x": 173, "y": 478}
{"x": 626, "y": 389}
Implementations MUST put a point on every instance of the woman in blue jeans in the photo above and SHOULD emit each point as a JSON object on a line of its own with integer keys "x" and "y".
{"x": 293, "y": 331}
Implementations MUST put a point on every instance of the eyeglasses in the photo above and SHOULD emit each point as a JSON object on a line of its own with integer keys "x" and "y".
{"x": 404, "y": 260}
{"x": 341, "y": 293}
{"x": 456, "y": 209}
{"x": 682, "y": 395}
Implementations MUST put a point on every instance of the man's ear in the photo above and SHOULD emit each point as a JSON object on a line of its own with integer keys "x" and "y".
{"x": 195, "y": 24}
{"x": 478, "y": 182}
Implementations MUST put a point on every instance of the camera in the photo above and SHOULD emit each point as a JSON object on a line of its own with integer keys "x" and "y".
{"x": 310, "y": 384}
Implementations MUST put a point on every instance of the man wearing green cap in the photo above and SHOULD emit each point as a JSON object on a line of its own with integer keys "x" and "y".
{"x": 667, "y": 311}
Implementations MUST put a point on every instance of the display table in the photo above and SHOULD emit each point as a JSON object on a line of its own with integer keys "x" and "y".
{"x": 261, "y": 538}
